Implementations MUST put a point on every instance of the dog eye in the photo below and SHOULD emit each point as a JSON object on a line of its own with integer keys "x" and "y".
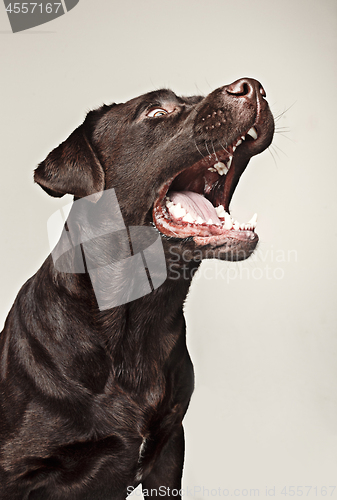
{"x": 154, "y": 113}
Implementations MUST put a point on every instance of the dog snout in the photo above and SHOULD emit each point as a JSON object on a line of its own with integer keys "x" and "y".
{"x": 245, "y": 88}
{"x": 237, "y": 103}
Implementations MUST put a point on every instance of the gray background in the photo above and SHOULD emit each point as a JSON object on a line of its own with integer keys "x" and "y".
{"x": 263, "y": 342}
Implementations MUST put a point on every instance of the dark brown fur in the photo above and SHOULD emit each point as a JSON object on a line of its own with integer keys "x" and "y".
{"x": 81, "y": 388}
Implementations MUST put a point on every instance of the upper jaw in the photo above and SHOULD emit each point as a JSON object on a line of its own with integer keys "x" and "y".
{"x": 215, "y": 177}
{"x": 226, "y": 151}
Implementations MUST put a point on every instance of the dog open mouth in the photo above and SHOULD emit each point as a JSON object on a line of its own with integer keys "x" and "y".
{"x": 195, "y": 203}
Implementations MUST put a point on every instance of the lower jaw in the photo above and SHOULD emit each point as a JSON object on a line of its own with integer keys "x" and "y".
{"x": 197, "y": 249}
{"x": 233, "y": 247}
{"x": 208, "y": 241}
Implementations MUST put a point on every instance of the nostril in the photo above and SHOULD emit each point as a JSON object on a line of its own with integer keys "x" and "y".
{"x": 245, "y": 87}
{"x": 262, "y": 91}
{"x": 240, "y": 88}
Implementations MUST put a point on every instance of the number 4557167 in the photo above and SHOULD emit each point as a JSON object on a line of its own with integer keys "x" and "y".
{"x": 29, "y": 7}
{"x": 308, "y": 491}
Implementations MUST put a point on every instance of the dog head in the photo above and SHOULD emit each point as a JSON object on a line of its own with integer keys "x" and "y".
{"x": 174, "y": 163}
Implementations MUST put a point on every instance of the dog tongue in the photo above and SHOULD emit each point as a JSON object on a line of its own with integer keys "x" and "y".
{"x": 195, "y": 204}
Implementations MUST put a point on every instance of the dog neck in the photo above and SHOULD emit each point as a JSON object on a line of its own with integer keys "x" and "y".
{"x": 141, "y": 337}
{"x": 135, "y": 340}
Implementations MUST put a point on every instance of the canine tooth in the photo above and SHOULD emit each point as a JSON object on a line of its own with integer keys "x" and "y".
{"x": 188, "y": 218}
{"x": 252, "y": 132}
{"x": 219, "y": 210}
{"x": 253, "y": 221}
{"x": 228, "y": 224}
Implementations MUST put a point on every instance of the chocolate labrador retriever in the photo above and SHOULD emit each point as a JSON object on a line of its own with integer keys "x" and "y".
{"x": 95, "y": 376}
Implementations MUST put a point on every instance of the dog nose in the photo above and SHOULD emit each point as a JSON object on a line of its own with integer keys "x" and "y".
{"x": 247, "y": 88}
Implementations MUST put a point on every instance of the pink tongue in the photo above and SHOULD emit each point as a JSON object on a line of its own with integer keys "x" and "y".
{"x": 195, "y": 204}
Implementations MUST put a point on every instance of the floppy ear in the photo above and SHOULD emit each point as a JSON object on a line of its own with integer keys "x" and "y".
{"x": 72, "y": 168}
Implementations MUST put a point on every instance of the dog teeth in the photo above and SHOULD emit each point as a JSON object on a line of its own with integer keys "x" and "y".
{"x": 252, "y": 132}
{"x": 179, "y": 212}
{"x": 188, "y": 218}
{"x": 221, "y": 168}
{"x": 253, "y": 221}
{"x": 220, "y": 211}
{"x": 228, "y": 224}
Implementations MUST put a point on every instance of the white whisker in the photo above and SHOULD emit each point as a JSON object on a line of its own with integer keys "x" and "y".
{"x": 196, "y": 145}
{"x": 207, "y": 148}
{"x": 223, "y": 147}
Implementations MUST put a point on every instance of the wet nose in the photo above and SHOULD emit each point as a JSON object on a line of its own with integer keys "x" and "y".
{"x": 246, "y": 88}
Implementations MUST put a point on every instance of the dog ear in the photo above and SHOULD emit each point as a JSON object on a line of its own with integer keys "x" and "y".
{"x": 72, "y": 168}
